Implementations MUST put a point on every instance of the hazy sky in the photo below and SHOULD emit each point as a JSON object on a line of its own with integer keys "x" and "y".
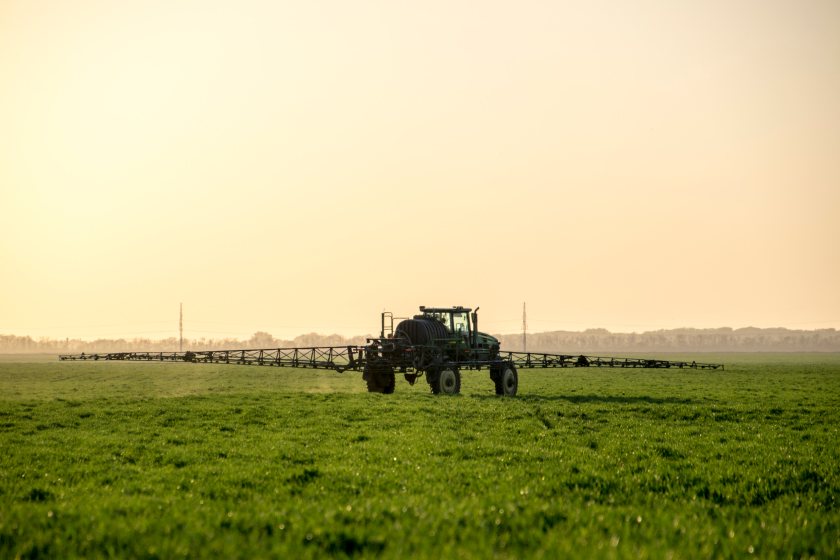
{"x": 302, "y": 166}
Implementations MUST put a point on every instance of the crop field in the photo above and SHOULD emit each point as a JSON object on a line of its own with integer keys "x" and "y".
{"x": 174, "y": 460}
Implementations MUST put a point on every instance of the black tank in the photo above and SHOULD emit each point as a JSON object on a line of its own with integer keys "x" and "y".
{"x": 421, "y": 331}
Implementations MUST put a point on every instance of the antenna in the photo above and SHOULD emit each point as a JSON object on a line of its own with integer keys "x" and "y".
{"x": 524, "y": 329}
{"x": 181, "y": 330}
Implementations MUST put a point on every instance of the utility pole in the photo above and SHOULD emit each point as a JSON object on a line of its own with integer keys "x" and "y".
{"x": 524, "y": 329}
{"x": 181, "y": 330}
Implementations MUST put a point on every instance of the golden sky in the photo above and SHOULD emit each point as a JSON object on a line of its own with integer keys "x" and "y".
{"x": 302, "y": 166}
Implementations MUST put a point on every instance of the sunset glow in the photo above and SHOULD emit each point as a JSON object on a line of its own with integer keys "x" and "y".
{"x": 303, "y": 166}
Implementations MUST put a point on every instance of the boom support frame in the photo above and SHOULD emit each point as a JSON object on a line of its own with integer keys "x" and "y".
{"x": 404, "y": 357}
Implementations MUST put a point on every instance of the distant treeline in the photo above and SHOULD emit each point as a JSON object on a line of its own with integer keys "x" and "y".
{"x": 725, "y": 339}
{"x": 25, "y": 344}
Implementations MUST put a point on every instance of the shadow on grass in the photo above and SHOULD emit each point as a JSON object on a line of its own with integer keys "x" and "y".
{"x": 609, "y": 399}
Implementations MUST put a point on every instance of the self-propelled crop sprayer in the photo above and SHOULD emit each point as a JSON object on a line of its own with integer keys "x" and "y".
{"x": 439, "y": 343}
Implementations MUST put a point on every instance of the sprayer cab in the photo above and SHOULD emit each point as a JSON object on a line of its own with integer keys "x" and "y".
{"x": 456, "y": 320}
{"x": 459, "y": 326}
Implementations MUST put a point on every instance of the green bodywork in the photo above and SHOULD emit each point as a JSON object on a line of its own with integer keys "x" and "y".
{"x": 464, "y": 340}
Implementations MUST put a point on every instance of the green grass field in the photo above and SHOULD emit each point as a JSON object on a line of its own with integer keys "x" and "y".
{"x": 170, "y": 460}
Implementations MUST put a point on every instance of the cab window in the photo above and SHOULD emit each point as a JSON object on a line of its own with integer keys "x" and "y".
{"x": 461, "y": 324}
{"x": 443, "y": 318}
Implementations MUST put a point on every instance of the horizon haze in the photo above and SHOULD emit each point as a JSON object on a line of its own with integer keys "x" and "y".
{"x": 725, "y": 339}
{"x": 301, "y": 167}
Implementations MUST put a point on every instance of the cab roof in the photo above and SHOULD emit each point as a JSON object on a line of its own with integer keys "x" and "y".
{"x": 457, "y": 309}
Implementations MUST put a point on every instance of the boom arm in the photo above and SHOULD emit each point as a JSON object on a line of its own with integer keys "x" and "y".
{"x": 343, "y": 358}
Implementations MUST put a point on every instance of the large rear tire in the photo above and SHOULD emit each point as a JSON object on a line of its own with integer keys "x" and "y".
{"x": 446, "y": 380}
{"x": 506, "y": 380}
{"x": 379, "y": 376}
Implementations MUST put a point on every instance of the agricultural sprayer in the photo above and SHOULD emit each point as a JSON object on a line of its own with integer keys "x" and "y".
{"x": 439, "y": 343}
